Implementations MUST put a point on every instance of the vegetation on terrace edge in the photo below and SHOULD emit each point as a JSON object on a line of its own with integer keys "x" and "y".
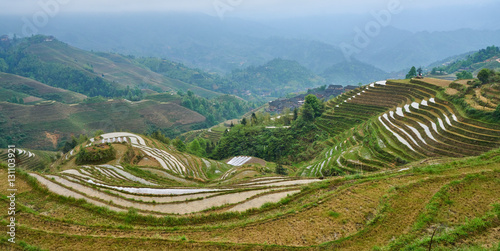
{"x": 384, "y": 211}
{"x": 488, "y": 80}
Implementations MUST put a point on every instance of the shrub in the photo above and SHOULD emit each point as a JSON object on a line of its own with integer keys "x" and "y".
{"x": 102, "y": 154}
{"x": 333, "y": 214}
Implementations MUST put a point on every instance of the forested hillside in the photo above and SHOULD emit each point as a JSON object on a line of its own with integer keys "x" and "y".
{"x": 54, "y": 63}
{"x": 472, "y": 63}
{"x": 275, "y": 78}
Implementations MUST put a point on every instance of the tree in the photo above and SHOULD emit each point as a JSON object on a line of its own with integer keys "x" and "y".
{"x": 187, "y": 103}
{"x": 316, "y": 104}
{"x": 484, "y": 75}
{"x": 419, "y": 71}
{"x": 13, "y": 100}
{"x": 254, "y": 119}
{"x": 179, "y": 145}
{"x": 307, "y": 112}
{"x": 295, "y": 114}
{"x": 280, "y": 170}
{"x": 464, "y": 75}
{"x": 3, "y": 65}
{"x": 244, "y": 121}
{"x": 98, "y": 133}
{"x": 496, "y": 113}
{"x": 161, "y": 137}
{"x": 412, "y": 73}
{"x": 195, "y": 148}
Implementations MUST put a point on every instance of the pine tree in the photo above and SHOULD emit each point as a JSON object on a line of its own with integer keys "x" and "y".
{"x": 412, "y": 73}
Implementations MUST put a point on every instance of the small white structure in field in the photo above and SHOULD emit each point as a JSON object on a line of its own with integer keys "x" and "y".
{"x": 239, "y": 161}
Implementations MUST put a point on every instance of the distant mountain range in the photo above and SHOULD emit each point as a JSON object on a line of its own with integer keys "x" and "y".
{"x": 206, "y": 42}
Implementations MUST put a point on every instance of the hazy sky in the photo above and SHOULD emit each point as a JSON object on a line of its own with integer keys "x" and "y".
{"x": 248, "y": 8}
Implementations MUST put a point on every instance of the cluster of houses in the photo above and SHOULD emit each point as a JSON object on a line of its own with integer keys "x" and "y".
{"x": 291, "y": 103}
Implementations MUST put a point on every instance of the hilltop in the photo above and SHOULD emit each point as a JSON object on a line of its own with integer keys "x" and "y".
{"x": 57, "y": 64}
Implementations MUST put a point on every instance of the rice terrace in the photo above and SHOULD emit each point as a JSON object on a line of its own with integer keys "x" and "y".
{"x": 445, "y": 178}
{"x": 250, "y": 125}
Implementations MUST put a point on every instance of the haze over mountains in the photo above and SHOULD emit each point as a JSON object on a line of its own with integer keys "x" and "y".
{"x": 236, "y": 40}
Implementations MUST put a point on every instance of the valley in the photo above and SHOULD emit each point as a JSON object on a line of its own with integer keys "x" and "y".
{"x": 164, "y": 126}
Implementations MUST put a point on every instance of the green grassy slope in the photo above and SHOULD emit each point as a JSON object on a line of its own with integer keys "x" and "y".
{"x": 34, "y": 126}
{"x": 119, "y": 70}
{"x": 13, "y": 85}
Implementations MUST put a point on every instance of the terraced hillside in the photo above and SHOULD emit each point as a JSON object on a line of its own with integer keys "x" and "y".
{"x": 43, "y": 125}
{"x": 456, "y": 202}
{"x": 32, "y": 160}
{"x": 157, "y": 180}
{"x": 391, "y": 123}
{"x": 32, "y": 91}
